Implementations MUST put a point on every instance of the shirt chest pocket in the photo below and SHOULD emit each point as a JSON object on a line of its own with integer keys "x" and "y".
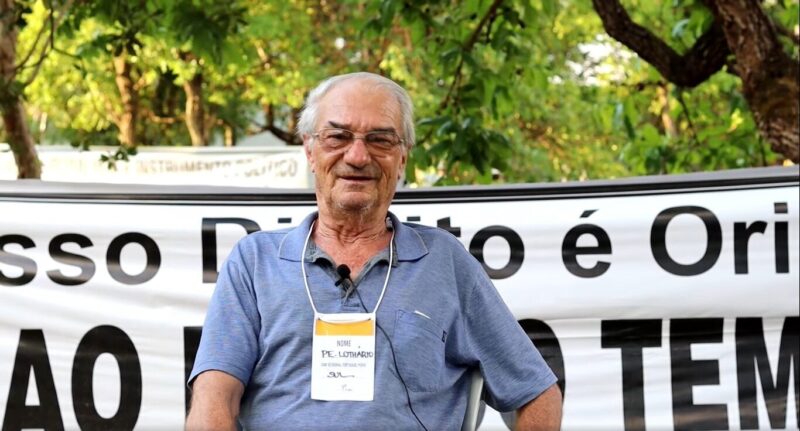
{"x": 419, "y": 345}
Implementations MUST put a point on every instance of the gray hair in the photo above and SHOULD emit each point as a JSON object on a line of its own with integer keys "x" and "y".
{"x": 308, "y": 117}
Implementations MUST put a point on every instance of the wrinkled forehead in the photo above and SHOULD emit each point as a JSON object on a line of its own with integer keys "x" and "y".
{"x": 360, "y": 106}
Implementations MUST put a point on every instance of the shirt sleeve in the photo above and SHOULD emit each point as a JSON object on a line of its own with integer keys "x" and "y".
{"x": 514, "y": 371}
{"x": 229, "y": 340}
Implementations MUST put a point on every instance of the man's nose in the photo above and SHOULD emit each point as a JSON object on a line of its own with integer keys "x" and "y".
{"x": 357, "y": 153}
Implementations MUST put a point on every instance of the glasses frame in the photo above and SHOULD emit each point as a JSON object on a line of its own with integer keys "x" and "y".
{"x": 363, "y": 136}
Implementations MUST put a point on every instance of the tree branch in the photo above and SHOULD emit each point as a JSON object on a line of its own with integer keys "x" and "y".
{"x": 489, "y": 15}
{"x": 45, "y": 50}
{"x": 158, "y": 119}
{"x": 705, "y": 58}
{"x": 34, "y": 47}
{"x": 284, "y": 135}
{"x": 688, "y": 115}
{"x": 769, "y": 75}
{"x": 467, "y": 46}
{"x": 378, "y": 58}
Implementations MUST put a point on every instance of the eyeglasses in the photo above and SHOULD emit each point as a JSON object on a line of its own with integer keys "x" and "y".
{"x": 337, "y": 139}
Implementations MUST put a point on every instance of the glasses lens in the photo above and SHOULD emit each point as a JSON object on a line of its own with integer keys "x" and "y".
{"x": 336, "y": 138}
{"x": 339, "y": 138}
{"x": 382, "y": 140}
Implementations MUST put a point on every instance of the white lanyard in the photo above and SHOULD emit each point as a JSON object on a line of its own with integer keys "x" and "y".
{"x": 305, "y": 278}
{"x": 343, "y": 347}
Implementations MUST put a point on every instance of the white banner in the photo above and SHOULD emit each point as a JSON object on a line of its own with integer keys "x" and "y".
{"x": 666, "y": 303}
{"x": 276, "y": 167}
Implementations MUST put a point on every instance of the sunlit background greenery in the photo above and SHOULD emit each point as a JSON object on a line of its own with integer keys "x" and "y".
{"x": 536, "y": 91}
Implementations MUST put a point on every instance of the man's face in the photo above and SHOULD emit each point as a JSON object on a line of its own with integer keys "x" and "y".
{"x": 356, "y": 178}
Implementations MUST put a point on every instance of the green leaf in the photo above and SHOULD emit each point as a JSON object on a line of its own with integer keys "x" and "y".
{"x": 445, "y": 128}
{"x": 469, "y": 60}
{"x": 679, "y": 27}
{"x": 550, "y": 7}
{"x": 432, "y": 121}
{"x": 629, "y": 128}
{"x": 488, "y": 90}
{"x": 650, "y": 135}
{"x": 540, "y": 81}
{"x": 388, "y": 10}
{"x": 450, "y": 56}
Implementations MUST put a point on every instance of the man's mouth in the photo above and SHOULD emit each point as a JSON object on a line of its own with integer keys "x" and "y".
{"x": 356, "y": 178}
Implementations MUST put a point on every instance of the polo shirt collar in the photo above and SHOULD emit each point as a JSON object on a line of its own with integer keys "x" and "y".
{"x": 409, "y": 243}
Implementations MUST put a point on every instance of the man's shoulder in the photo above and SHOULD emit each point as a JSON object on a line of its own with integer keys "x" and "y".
{"x": 424, "y": 229}
{"x": 266, "y": 235}
{"x": 438, "y": 240}
{"x": 263, "y": 240}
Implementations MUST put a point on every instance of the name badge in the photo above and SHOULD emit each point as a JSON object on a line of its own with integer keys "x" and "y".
{"x": 343, "y": 361}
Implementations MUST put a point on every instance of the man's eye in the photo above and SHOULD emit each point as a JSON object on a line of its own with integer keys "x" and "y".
{"x": 380, "y": 139}
{"x": 338, "y": 137}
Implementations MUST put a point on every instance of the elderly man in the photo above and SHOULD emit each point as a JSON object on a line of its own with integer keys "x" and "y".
{"x": 354, "y": 320}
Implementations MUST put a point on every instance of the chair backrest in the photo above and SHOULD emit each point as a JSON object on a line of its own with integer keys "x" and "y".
{"x": 473, "y": 402}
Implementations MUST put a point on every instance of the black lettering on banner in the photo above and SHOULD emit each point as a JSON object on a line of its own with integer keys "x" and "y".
{"x": 32, "y": 358}
{"x": 741, "y": 239}
{"x": 570, "y": 250}
{"x": 60, "y": 255}
{"x": 546, "y": 342}
{"x": 515, "y": 245}
{"x": 115, "y": 251}
{"x": 444, "y": 223}
{"x": 658, "y": 241}
{"x": 191, "y": 341}
{"x": 781, "y": 247}
{"x": 208, "y": 241}
{"x": 751, "y": 355}
{"x": 28, "y": 265}
{"x": 631, "y": 337}
{"x": 688, "y": 373}
{"x": 112, "y": 340}
{"x": 781, "y": 240}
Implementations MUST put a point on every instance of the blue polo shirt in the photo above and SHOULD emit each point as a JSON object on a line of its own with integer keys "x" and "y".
{"x": 440, "y": 317}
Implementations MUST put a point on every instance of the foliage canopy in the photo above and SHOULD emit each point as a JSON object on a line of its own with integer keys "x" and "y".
{"x": 504, "y": 90}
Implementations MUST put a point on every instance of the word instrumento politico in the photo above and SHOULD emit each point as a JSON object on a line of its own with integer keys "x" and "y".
{"x": 595, "y": 259}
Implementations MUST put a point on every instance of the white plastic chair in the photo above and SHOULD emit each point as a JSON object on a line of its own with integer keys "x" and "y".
{"x": 473, "y": 402}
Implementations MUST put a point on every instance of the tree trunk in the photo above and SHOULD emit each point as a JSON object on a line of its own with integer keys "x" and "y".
{"x": 291, "y": 127}
{"x": 194, "y": 110}
{"x": 666, "y": 118}
{"x": 130, "y": 101}
{"x": 230, "y": 135}
{"x": 769, "y": 76}
{"x": 13, "y": 111}
{"x": 19, "y": 138}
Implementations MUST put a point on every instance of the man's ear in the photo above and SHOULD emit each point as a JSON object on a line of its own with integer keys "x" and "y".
{"x": 403, "y": 160}
{"x": 307, "y": 142}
